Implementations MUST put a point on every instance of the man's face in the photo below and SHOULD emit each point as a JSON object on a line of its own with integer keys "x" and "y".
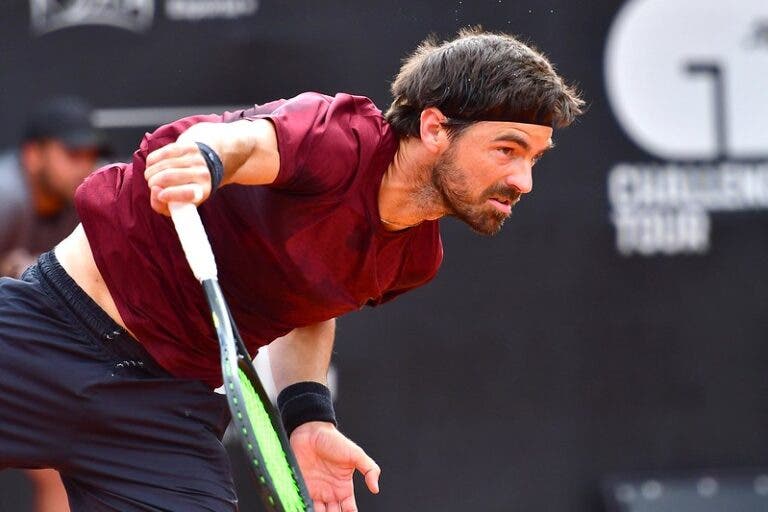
{"x": 487, "y": 168}
{"x": 62, "y": 169}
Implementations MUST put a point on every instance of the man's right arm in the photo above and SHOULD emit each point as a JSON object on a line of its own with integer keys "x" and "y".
{"x": 248, "y": 151}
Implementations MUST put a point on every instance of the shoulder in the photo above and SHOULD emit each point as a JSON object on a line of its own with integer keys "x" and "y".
{"x": 15, "y": 205}
{"x": 323, "y": 140}
{"x": 339, "y": 102}
{"x": 322, "y": 108}
{"x": 359, "y": 110}
{"x": 13, "y": 189}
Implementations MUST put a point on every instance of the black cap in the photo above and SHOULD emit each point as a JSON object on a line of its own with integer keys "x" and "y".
{"x": 67, "y": 119}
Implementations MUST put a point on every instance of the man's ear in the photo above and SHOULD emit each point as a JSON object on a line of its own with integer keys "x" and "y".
{"x": 432, "y": 132}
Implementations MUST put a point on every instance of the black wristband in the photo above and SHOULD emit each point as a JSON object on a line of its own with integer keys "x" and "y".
{"x": 215, "y": 167}
{"x": 303, "y": 402}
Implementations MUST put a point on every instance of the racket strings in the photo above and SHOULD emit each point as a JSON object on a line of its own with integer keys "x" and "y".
{"x": 266, "y": 436}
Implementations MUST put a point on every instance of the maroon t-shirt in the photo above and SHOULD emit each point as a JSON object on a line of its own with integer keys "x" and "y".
{"x": 307, "y": 248}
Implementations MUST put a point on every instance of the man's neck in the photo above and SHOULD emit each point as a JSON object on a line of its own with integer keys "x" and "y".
{"x": 407, "y": 196}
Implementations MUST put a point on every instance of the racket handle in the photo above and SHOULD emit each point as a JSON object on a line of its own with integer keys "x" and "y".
{"x": 194, "y": 240}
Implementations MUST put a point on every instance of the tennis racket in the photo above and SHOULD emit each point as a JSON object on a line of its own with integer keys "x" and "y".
{"x": 257, "y": 423}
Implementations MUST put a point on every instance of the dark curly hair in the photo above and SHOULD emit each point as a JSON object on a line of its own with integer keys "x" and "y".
{"x": 480, "y": 76}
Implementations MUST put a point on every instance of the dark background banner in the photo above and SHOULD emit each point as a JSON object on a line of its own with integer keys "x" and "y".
{"x": 604, "y": 330}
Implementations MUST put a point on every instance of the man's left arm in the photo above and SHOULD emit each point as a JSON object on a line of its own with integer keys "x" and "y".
{"x": 327, "y": 458}
{"x": 304, "y": 354}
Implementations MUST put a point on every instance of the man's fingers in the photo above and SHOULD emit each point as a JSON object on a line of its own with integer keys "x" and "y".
{"x": 190, "y": 193}
{"x": 181, "y": 162}
{"x": 177, "y": 173}
{"x": 179, "y": 176}
{"x": 349, "y": 505}
{"x": 171, "y": 150}
{"x": 320, "y": 507}
{"x": 157, "y": 205}
{"x": 368, "y": 467}
{"x": 372, "y": 480}
{"x": 333, "y": 507}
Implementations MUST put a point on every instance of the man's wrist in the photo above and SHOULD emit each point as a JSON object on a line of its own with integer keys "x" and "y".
{"x": 312, "y": 427}
{"x": 304, "y": 402}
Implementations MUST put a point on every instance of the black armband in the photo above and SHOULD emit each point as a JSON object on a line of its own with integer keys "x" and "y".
{"x": 303, "y": 402}
{"x": 215, "y": 167}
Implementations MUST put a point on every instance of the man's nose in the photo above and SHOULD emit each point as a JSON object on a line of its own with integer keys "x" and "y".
{"x": 521, "y": 179}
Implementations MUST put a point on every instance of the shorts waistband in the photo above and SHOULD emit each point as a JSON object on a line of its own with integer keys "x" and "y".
{"x": 118, "y": 342}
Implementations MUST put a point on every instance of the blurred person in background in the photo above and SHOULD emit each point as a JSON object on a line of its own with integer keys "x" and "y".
{"x": 59, "y": 148}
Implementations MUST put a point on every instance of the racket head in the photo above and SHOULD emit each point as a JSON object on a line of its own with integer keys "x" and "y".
{"x": 257, "y": 424}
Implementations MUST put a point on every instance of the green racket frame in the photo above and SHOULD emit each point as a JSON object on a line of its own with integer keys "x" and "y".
{"x": 257, "y": 422}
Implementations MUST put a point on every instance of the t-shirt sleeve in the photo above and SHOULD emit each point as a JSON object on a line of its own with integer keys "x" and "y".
{"x": 318, "y": 141}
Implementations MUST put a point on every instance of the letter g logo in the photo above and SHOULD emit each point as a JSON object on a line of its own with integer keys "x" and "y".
{"x": 688, "y": 79}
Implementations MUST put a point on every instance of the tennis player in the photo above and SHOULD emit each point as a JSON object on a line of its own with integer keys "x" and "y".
{"x": 315, "y": 206}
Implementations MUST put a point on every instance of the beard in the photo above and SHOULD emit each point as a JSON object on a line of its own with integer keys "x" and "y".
{"x": 453, "y": 185}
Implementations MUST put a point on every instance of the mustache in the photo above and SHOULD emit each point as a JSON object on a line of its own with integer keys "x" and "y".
{"x": 511, "y": 194}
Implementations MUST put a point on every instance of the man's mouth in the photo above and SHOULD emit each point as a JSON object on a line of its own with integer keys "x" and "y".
{"x": 503, "y": 204}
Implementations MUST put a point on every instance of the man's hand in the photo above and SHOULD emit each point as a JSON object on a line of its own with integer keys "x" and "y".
{"x": 177, "y": 173}
{"x": 328, "y": 460}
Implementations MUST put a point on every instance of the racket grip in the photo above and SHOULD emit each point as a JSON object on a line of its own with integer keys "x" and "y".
{"x": 194, "y": 240}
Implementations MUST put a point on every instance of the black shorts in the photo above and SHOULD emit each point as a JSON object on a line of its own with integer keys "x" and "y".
{"x": 80, "y": 395}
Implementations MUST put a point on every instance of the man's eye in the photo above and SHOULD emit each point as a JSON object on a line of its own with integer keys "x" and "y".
{"x": 507, "y": 151}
